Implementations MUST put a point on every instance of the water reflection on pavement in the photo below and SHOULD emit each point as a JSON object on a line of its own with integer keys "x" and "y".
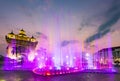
{"x": 29, "y": 76}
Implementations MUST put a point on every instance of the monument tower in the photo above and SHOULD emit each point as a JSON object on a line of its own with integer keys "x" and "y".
{"x": 20, "y": 45}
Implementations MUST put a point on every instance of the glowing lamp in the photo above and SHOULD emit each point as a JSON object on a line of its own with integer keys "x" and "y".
{"x": 67, "y": 68}
{"x": 67, "y": 56}
{"x": 53, "y": 57}
{"x": 87, "y": 54}
{"x": 74, "y": 57}
{"x": 36, "y": 54}
{"x": 50, "y": 68}
{"x": 60, "y": 72}
{"x": 76, "y": 68}
{"x": 58, "y": 68}
{"x": 40, "y": 66}
{"x": 48, "y": 73}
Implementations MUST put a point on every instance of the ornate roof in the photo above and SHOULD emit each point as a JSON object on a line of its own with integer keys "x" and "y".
{"x": 20, "y": 37}
{"x": 11, "y": 32}
{"x": 22, "y": 32}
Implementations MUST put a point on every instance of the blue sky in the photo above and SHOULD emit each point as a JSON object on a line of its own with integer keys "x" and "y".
{"x": 89, "y": 24}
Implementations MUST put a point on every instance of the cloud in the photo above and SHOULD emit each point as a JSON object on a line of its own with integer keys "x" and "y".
{"x": 87, "y": 22}
{"x": 97, "y": 36}
{"x": 41, "y": 35}
{"x": 112, "y": 17}
{"x": 66, "y": 42}
{"x": 115, "y": 8}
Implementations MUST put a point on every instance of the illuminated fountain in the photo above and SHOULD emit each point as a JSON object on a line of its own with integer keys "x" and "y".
{"x": 67, "y": 63}
{"x": 22, "y": 55}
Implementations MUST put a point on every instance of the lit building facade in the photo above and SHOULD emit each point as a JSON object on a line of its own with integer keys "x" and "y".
{"x": 20, "y": 45}
{"x": 104, "y": 56}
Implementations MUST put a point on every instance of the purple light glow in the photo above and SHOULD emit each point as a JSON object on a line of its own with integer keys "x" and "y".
{"x": 62, "y": 61}
{"x": 46, "y": 65}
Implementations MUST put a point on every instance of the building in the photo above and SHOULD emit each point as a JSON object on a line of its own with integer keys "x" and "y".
{"x": 108, "y": 55}
{"x": 20, "y": 45}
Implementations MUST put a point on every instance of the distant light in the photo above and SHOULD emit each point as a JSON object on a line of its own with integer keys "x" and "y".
{"x": 74, "y": 57}
{"x": 67, "y": 63}
{"x": 19, "y": 56}
{"x": 67, "y": 56}
{"x": 50, "y": 67}
{"x": 36, "y": 54}
{"x": 67, "y": 68}
{"x": 95, "y": 68}
{"x": 58, "y": 68}
{"x": 87, "y": 54}
{"x": 40, "y": 66}
{"x": 48, "y": 74}
{"x": 53, "y": 57}
{"x": 2, "y": 80}
{"x": 60, "y": 72}
{"x": 76, "y": 68}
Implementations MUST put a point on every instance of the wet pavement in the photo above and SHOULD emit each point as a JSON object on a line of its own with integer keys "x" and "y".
{"x": 30, "y": 76}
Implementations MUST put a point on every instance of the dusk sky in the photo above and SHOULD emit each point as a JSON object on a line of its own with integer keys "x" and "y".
{"x": 87, "y": 25}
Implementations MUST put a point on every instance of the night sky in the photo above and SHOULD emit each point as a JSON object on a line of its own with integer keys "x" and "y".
{"x": 87, "y": 25}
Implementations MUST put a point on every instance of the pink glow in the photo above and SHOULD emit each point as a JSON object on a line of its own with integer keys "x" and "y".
{"x": 44, "y": 64}
{"x": 60, "y": 61}
{"x": 31, "y": 57}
